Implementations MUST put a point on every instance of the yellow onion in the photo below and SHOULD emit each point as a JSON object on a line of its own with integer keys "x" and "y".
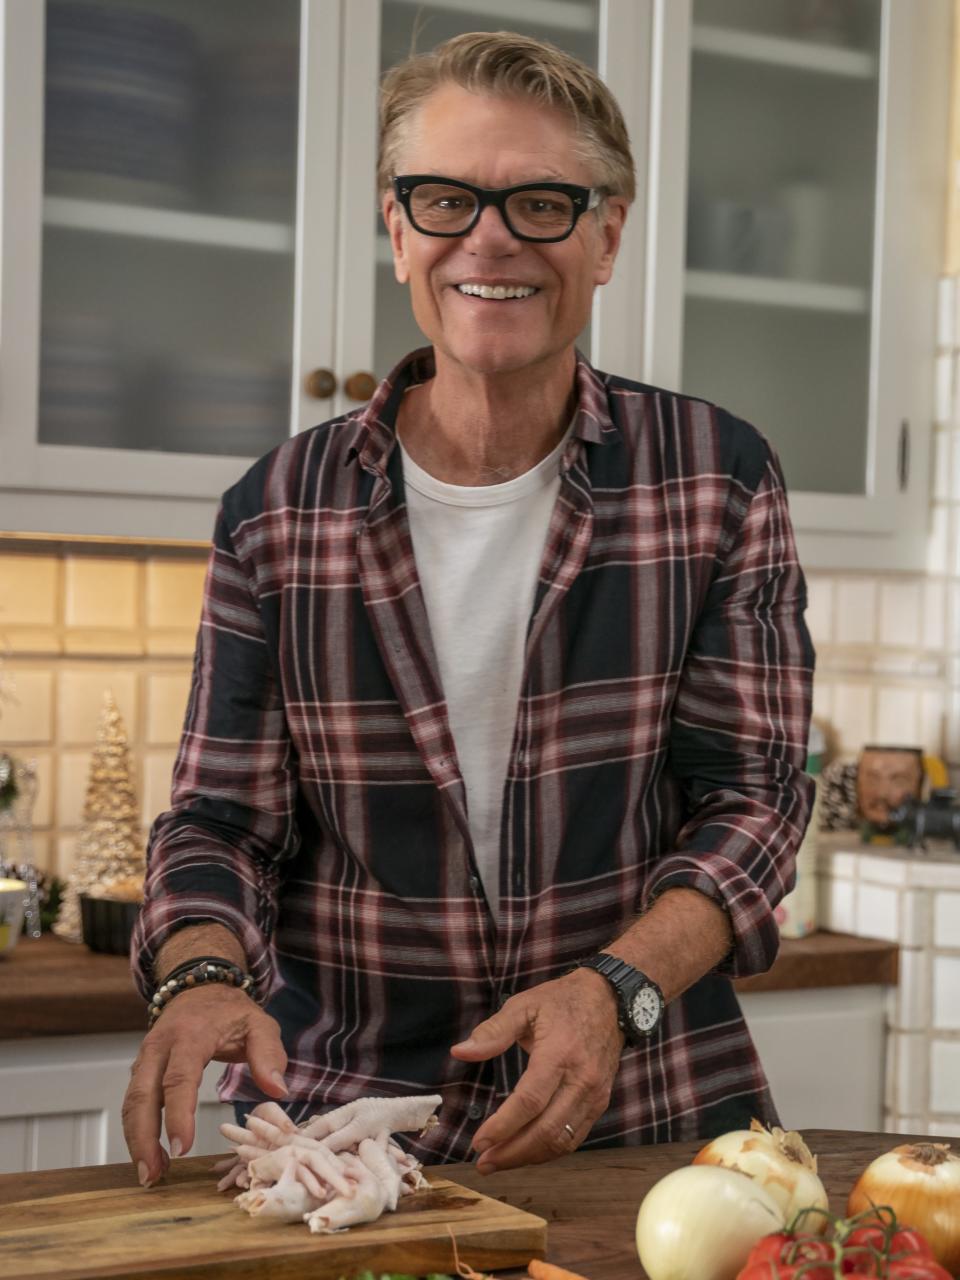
{"x": 782, "y": 1164}
{"x": 701, "y": 1223}
{"x": 920, "y": 1181}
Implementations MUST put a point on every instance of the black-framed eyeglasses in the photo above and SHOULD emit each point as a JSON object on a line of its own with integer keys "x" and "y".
{"x": 543, "y": 211}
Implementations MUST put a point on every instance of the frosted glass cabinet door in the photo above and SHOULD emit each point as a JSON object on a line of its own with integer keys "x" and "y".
{"x": 376, "y": 326}
{"x": 159, "y": 220}
{"x": 781, "y": 216}
{"x": 405, "y": 26}
{"x": 796, "y": 244}
{"x": 169, "y": 188}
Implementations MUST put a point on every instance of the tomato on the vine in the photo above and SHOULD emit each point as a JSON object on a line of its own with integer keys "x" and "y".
{"x": 916, "y": 1268}
{"x": 784, "y": 1247}
{"x": 875, "y": 1234}
{"x": 771, "y": 1269}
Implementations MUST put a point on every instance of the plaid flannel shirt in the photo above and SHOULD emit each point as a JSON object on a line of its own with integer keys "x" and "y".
{"x": 318, "y": 810}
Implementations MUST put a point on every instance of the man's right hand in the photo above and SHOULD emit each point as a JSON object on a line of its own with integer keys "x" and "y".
{"x": 215, "y": 1023}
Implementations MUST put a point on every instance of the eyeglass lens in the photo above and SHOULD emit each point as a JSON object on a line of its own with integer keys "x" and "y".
{"x": 436, "y": 207}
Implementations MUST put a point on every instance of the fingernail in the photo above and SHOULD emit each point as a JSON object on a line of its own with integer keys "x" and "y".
{"x": 464, "y": 1044}
{"x": 486, "y": 1166}
{"x": 279, "y": 1081}
{"x": 176, "y": 1146}
{"x": 143, "y": 1173}
{"x": 483, "y": 1145}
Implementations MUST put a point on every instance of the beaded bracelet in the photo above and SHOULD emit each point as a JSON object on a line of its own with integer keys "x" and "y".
{"x": 194, "y": 973}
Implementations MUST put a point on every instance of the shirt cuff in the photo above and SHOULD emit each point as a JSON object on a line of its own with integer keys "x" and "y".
{"x": 756, "y": 937}
{"x": 161, "y": 918}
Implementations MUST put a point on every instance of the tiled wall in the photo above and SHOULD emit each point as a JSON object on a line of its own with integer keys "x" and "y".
{"x": 74, "y": 621}
{"x": 889, "y": 894}
{"x": 882, "y": 666}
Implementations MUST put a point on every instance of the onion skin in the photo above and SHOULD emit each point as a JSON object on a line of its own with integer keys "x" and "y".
{"x": 920, "y": 1181}
{"x": 700, "y": 1223}
{"x": 781, "y": 1163}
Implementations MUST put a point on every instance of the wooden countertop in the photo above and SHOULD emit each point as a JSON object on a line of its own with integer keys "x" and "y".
{"x": 51, "y": 987}
{"x": 589, "y": 1199}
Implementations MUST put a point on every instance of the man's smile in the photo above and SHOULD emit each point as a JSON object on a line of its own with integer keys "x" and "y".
{"x": 495, "y": 292}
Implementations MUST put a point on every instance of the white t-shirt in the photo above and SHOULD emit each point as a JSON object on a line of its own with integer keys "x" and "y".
{"x": 478, "y": 551}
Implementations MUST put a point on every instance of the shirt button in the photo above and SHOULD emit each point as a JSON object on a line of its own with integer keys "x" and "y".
{"x": 475, "y": 1111}
{"x": 475, "y": 883}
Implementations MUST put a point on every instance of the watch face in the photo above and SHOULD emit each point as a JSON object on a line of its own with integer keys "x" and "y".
{"x": 645, "y": 1009}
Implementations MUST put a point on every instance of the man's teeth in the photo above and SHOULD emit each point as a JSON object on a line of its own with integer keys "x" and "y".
{"x": 496, "y": 290}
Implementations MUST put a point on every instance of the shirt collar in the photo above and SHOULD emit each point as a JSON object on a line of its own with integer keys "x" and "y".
{"x": 375, "y": 435}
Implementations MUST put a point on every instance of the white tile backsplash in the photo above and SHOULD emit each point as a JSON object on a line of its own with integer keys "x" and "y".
{"x": 901, "y": 612}
{"x": 946, "y": 993}
{"x": 878, "y": 912}
{"x": 946, "y": 311}
{"x": 946, "y": 920}
{"x": 838, "y": 905}
{"x": 934, "y": 615}
{"x": 941, "y": 464}
{"x": 820, "y": 608}
{"x": 853, "y": 715}
{"x": 880, "y": 870}
{"x": 931, "y": 874}
{"x": 856, "y": 611}
{"x": 937, "y": 538}
{"x": 915, "y": 918}
{"x": 933, "y": 713}
{"x": 897, "y": 717}
{"x": 945, "y": 1076}
{"x": 943, "y": 388}
{"x": 912, "y": 1005}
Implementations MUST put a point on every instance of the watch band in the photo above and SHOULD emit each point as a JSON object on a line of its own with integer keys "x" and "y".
{"x": 625, "y": 979}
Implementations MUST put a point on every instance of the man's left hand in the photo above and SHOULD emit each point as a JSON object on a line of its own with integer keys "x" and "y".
{"x": 568, "y": 1027}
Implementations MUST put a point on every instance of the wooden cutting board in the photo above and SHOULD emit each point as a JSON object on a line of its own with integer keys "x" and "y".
{"x": 186, "y": 1228}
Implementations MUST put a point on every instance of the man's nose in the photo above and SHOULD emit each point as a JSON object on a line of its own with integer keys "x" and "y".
{"x": 491, "y": 235}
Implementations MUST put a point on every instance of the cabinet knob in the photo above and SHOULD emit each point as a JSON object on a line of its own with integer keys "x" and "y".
{"x": 321, "y": 383}
{"x": 360, "y": 386}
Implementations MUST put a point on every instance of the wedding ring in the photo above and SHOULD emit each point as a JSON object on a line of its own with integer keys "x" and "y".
{"x": 570, "y": 1131}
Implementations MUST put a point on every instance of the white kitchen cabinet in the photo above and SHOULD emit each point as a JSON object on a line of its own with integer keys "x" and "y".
{"x": 823, "y": 1050}
{"x": 795, "y": 241}
{"x": 199, "y": 300}
{"x": 165, "y": 320}
{"x": 60, "y": 1099}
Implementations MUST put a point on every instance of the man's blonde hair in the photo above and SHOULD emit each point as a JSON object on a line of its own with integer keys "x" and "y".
{"x": 505, "y": 64}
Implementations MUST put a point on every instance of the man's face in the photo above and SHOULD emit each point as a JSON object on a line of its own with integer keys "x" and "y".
{"x": 497, "y": 142}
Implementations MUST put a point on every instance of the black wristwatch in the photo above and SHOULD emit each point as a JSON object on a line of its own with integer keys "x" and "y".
{"x": 640, "y": 1001}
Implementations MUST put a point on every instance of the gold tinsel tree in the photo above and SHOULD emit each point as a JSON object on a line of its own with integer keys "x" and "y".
{"x": 109, "y": 845}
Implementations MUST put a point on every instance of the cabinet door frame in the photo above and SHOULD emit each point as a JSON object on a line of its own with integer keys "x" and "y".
{"x": 618, "y": 309}
{"x": 886, "y": 526}
{"x": 141, "y": 492}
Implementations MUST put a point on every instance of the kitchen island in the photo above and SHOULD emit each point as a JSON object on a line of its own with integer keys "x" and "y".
{"x": 589, "y": 1201}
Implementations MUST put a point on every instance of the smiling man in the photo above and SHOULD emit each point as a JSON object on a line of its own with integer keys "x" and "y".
{"x": 491, "y": 774}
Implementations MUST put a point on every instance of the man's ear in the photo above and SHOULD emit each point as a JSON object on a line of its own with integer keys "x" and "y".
{"x": 397, "y": 231}
{"x": 610, "y": 230}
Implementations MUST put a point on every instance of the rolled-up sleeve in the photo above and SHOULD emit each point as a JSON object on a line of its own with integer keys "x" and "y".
{"x": 739, "y": 734}
{"x": 216, "y": 855}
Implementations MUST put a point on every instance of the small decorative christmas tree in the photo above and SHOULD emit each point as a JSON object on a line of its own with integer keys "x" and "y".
{"x": 109, "y": 845}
